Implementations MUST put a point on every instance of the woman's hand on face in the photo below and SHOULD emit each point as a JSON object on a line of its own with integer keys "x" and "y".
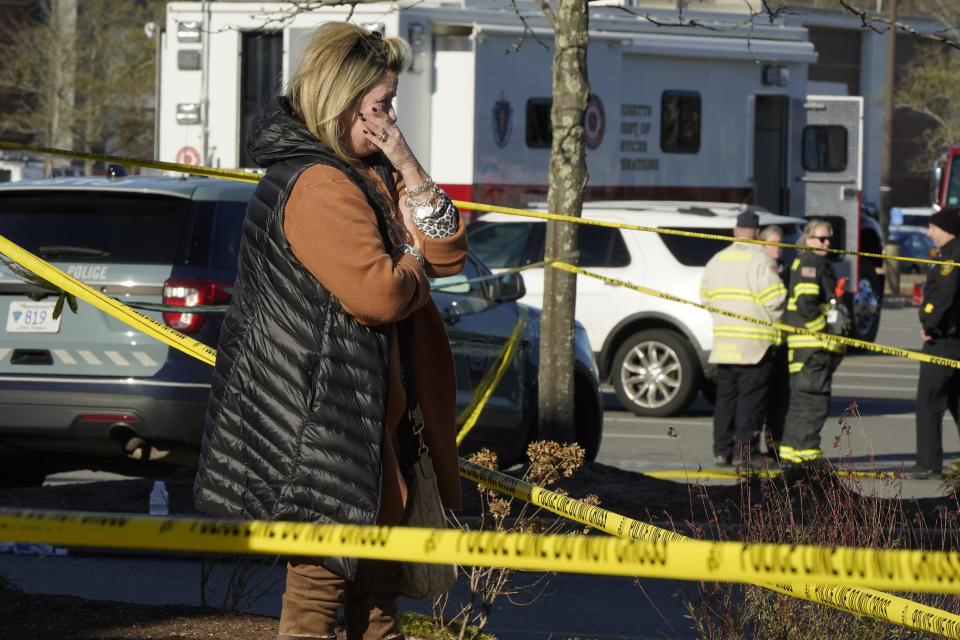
{"x": 381, "y": 129}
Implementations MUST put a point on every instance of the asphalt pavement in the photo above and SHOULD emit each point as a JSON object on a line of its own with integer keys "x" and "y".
{"x": 874, "y": 392}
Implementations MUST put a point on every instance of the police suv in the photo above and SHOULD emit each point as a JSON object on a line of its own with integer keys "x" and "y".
{"x": 84, "y": 390}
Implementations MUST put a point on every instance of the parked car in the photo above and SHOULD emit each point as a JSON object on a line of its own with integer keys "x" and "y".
{"x": 913, "y": 243}
{"x": 911, "y": 217}
{"x": 480, "y": 313}
{"x": 653, "y": 351}
{"x": 86, "y": 391}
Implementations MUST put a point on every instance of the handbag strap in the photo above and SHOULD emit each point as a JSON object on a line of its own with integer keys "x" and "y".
{"x": 414, "y": 413}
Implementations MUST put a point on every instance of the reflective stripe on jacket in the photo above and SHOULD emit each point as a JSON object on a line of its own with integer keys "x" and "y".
{"x": 812, "y": 281}
{"x": 743, "y": 279}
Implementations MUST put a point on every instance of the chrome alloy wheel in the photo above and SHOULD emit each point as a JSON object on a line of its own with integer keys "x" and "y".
{"x": 651, "y": 374}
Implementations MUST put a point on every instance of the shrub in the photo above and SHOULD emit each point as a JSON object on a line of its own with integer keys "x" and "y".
{"x": 817, "y": 504}
{"x": 548, "y": 462}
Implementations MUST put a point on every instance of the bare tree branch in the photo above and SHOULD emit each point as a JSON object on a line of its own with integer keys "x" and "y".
{"x": 869, "y": 21}
{"x": 682, "y": 21}
{"x": 548, "y": 12}
{"x": 930, "y": 86}
{"x": 527, "y": 30}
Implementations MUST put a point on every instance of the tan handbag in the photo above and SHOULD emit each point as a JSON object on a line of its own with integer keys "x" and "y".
{"x": 420, "y": 580}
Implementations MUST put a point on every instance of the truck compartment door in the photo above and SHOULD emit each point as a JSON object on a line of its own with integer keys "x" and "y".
{"x": 771, "y": 189}
{"x": 829, "y": 157}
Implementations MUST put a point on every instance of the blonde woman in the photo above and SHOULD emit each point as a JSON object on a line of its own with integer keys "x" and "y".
{"x": 811, "y": 360}
{"x": 332, "y": 340}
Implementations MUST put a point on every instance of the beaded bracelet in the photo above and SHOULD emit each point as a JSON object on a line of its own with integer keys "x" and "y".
{"x": 414, "y": 203}
{"x": 413, "y": 192}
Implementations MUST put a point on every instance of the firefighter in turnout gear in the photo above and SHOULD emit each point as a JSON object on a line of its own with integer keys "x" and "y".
{"x": 811, "y": 360}
{"x": 743, "y": 279}
{"x": 938, "y": 387}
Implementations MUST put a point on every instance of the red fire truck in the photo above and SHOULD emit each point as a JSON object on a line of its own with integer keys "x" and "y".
{"x": 945, "y": 181}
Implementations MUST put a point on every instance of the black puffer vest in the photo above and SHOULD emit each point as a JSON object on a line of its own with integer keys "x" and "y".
{"x": 295, "y": 421}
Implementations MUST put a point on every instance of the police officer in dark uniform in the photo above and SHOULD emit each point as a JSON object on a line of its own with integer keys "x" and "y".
{"x": 939, "y": 387}
{"x": 811, "y": 360}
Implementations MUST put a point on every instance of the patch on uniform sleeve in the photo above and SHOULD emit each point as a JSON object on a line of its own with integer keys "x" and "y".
{"x": 946, "y": 269}
{"x": 928, "y": 308}
{"x": 808, "y": 272}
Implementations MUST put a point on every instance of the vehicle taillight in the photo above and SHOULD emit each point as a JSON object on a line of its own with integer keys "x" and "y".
{"x": 192, "y": 292}
{"x": 108, "y": 417}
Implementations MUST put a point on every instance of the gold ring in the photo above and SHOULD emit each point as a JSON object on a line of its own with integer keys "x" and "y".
{"x": 383, "y": 136}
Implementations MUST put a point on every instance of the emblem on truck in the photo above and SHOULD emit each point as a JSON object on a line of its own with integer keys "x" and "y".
{"x": 594, "y": 122}
{"x": 502, "y": 122}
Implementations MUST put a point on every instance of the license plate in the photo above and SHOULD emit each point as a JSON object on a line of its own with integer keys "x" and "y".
{"x": 32, "y": 317}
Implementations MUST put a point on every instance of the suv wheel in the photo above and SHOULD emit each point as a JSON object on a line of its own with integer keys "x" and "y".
{"x": 655, "y": 373}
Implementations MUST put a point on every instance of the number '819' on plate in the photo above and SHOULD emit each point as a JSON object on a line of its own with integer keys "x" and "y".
{"x": 32, "y": 317}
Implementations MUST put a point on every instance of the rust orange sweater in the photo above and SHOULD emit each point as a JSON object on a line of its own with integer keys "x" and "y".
{"x": 333, "y": 231}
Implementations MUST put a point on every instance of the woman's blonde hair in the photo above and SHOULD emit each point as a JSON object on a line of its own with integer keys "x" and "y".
{"x": 339, "y": 66}
{"x": 812, "y": 225}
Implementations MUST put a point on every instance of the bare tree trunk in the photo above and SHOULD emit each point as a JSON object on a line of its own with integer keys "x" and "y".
{"x": 64, "y": 16}
{"x": 568, "y": 177}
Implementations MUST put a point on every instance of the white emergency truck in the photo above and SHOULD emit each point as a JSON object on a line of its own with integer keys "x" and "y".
{"x": 714, "y": 113}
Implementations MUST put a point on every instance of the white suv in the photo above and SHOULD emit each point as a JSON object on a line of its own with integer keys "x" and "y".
{"x": 653, "y": 351}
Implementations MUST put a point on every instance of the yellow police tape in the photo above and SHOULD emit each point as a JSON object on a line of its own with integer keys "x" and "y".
{"x": 249, "y": 176}
{"x": 857, "y": 600}
{"x": 687, "y": 234}
{"x": 850, "y": 342}
{"x": 898, "y": 570}
{"x": 684, "y": 474}
{"x": 481, "y": 393}
{"x": 107, "y": 304}
{"x": 703, "y": 474}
